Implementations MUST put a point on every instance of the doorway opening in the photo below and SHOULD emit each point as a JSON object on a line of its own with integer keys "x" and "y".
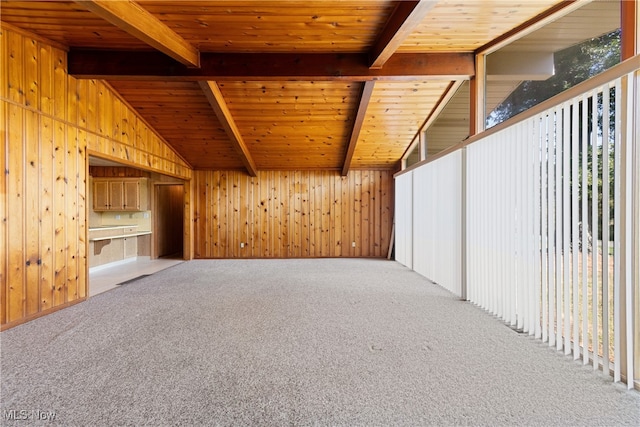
{"x": 169, "y": 220}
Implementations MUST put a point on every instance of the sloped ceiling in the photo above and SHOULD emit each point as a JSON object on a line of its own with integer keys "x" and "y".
{"x": 329, "y": 85}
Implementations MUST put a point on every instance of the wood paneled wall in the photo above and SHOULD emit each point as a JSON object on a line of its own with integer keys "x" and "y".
{"x": 283, "y": 214}
{"x": 117, "y": 172}
{"x": 49, "y": 124}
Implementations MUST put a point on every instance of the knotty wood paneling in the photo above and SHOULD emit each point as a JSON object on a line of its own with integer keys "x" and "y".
{"x": 181, "y": 113}
{"x": 4, "y": 256}
{"x": 466, "y": 26}
{"x": 396, "y": 112}
{"x": 50, "y": 123}
{"x": 276, "y": 26}
{"x": 294, "y": 125}
{"x": 47, "y": 18}
{"x": 292, "y": 214}
{"x": 117, "y": 172}
{"x": 247, "y": 26}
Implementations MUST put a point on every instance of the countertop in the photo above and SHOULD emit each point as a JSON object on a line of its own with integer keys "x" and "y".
{"x": 120, "y": 236}
{"x": 117, "y": 234}
{"x": 111, "y": 227}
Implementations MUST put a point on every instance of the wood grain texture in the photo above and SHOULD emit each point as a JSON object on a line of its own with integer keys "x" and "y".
{"x": 67, "y": 23}
{"x": 216, "y": 100}
{"x": 181, "y": 113}
{"x": 287, "y": 125}
{"x": 155, "y": 66}
{"x": 396, "y": 112}
{"x": 4, "y": 143}
{"x": 32, "y": 210}
{"x": 137, "y": 21}
{"x": 292, "y": 214}
{"x": 117, "y": 172}
{"x": 466, "y": 26}
{"x": 294, "y": 125}
{"x": 247, "y": 26}
{"x": 49, "y": 121}
{"x": 405, "y": 18}
{"x": 266, "y": 41}
{"x": 363, "y": 105}
{"x": 275, "y": 26}
{"x": 16, "y": 274}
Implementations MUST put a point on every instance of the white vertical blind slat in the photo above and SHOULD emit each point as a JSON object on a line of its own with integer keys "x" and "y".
{"x": 605, "y": 230}
{"x": 575, "y": 219}
{"x": 537, "y": 211}
{"x": 537, "y": 225}
{"x": 521, "y": 194}
{"x": 617, "y": 292}
{"x": 551, "y": 164}
{"x": 544, "y": 168}
{"x": 557, "y": 134}
{"x": 585, "y": 227}
{"x": 628, "y": 262}
{"x": 566, "y": 226}
{"x": 594, "y": 229}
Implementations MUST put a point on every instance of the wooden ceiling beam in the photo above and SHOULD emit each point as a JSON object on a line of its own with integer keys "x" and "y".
{"x": 137, "y": 21}
{"x": 367, "y": 91}
{"x": 131, "y": 65}
{"x": 219, "y": 105}
{"x": 404, "y": 20}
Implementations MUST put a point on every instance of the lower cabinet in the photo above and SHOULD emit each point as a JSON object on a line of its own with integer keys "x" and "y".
{"x": 105, "y": 250}
{"x": 130, "y": 247}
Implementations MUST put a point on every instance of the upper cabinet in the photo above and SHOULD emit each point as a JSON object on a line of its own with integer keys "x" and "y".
{"x": 120, "y": 194}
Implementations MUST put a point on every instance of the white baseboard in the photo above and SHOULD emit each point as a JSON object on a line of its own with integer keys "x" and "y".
{"x": 119, "y": 262}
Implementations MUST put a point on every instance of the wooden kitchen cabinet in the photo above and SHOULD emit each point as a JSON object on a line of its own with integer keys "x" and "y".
{"x": 120, "y": 194}
{"x": 116, "y": 196}
{"x": 100, "y": 195}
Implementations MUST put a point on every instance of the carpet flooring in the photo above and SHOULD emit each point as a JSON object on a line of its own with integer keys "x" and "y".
{"x": 327, "y": 342}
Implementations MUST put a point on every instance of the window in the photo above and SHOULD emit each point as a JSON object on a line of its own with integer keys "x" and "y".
{"x": 551, "y": 60}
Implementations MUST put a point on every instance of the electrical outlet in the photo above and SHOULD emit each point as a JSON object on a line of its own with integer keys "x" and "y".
{"x": 117, "y": 216}
{"x": 242, "y": 244}
{"x": 145, "y": 215}
{"x": 353, "y": 244}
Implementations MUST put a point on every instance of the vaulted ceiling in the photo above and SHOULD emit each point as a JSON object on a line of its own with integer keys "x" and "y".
{"x": 260, "y": 85}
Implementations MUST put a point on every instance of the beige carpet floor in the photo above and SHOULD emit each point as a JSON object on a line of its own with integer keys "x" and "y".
{"x": 327, "y": 342}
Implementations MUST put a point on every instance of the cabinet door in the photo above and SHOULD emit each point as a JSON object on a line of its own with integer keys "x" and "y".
{"x": 116, "y": 196}
{"x": 100, "y": 195}
{"x": 131, "y": 196}
{"x": 130, "y": 247}
{"x": 143, "y": 194}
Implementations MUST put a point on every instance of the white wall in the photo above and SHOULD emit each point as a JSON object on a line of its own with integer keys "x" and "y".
{"x": 404, "y": 219}
{"x": 429, "y": 220}
{"x": 437, "y": 216}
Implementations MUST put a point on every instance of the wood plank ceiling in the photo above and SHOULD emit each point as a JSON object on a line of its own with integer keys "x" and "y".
{"x": 277, "y": 85}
